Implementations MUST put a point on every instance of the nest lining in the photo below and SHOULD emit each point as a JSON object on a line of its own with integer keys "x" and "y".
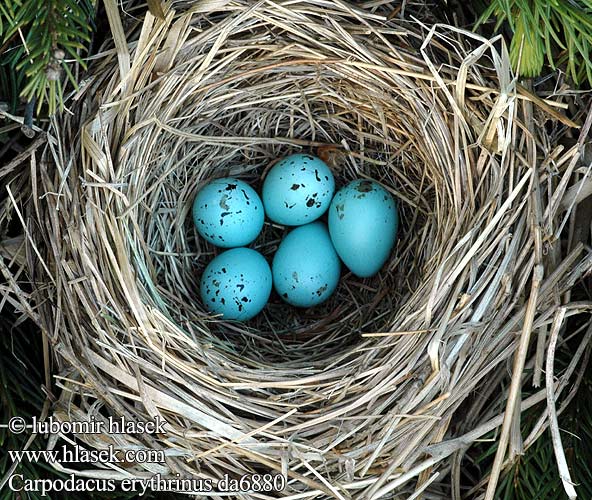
{"x": 359, "y": 305}
{"x": 226, "y": 94}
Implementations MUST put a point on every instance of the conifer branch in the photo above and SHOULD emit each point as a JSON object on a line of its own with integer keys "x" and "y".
{"x": 39, "y": 38}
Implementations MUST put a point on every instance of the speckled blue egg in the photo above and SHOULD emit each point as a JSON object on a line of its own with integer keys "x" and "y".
{"x": 363, "y": 225}
{"x": 298, "y": 190}
{"x": 306, "y": 267}
{"x": 228, "y": 213}
{"x": 236, "y": 284}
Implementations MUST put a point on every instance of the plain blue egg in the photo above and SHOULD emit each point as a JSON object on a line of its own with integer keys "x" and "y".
{"x": 236, "y": 284}
{"x": 306, "y": 267}
{"x": 363, "y": 225}
{"x": 228, "y": 213}
{"x": 298, "y": 190}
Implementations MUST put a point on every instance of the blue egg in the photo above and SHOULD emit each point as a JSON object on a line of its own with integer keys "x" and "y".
{"x": 363, "y": 225}
{"x": 297, "y": 190}
{"x": 306, "y": 267}
{"x": 236, "y": 284}
{"x": 228, "y": 213}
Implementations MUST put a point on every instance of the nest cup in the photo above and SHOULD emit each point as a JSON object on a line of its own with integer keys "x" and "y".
{"x": 204, "y": 125}
{"x": 256, "y": 119}
{"x": 345, "y": 397}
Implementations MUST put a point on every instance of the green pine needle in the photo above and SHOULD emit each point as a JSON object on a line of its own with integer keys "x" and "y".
{"x": 559, "y": 29}
{"x": 36, "y": 36}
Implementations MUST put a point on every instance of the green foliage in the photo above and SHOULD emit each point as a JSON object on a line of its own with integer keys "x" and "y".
{"x": 559, "y": 29}
{"x": 38, "y": 37}
{"x": 535, "y": 474}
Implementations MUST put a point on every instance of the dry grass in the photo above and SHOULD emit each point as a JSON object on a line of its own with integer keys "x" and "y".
{"x": 352, "y": 399}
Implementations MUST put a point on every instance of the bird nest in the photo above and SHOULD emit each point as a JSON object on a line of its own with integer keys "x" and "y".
{"x": 351, "y": 398}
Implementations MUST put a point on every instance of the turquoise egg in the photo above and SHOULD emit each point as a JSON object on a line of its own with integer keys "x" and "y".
{"x": 363, "y": 225}
{"x": 306, "y": 267}
{"x": 297, "y": 190}
{"x": 228, "y": 213}
{"x": 236, "y": 284}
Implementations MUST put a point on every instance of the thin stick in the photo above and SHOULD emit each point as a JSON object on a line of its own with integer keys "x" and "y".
{"x": 553, "y": 424}
{"x": 516, "y": 383}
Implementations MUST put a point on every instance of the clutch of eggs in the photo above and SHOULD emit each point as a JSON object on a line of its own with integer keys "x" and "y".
{"x": 361, "y": 231}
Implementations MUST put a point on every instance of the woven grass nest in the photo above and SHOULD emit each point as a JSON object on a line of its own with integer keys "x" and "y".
{"x": 373, "y": 393}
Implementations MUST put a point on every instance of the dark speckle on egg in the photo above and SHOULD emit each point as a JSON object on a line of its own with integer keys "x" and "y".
{"x": 364, "y": 187}
{"x": 310, "y": 202}
{"x": 223, "y": 204}
{"x": 230, "y": 187}
{"x": 295, "y": 187}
